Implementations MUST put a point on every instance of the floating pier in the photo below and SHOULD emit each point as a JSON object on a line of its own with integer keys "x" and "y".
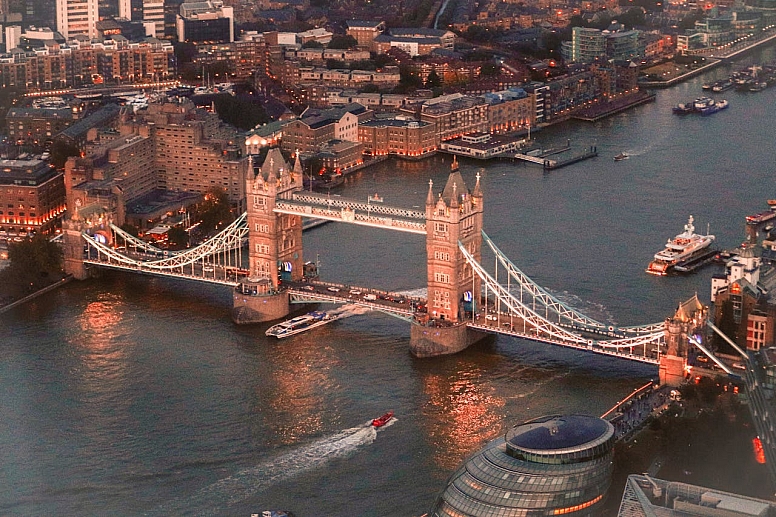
{"x": 589, "y": 152}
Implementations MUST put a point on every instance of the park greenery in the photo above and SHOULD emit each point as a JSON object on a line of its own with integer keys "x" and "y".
{"x": 33, "y": 264}
{"x": 240, "y": 112}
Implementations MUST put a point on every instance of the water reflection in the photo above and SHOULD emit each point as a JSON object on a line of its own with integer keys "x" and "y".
{"x": 462, "y": 413}
{"x": 101, "y": 351}
{"x": 300, "y": 380}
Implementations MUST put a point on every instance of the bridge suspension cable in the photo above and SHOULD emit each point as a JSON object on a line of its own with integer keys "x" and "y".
{"x": 538, "y": 327}
{"x": 136, "y": 242}
{"x": 551, "y": 304}
{"x": 230, "y": 238}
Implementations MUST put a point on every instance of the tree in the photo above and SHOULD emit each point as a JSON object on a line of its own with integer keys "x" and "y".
{"x": 312, "y": 44}
{"x": 177, "y": 237}
{"x": 490, "y": 70}
{"x": 688, "y": 22}
{"x": 339, "y": 41}
{"x": 433, "y": 80}
{"x": 34, "y": 263}
{"x": 213, "y": 210}
{"x": 370, "y": 88}
{"x": 131, "y": 229}
{"x": 409, "y": 79}
{"x": 241, "y": 114}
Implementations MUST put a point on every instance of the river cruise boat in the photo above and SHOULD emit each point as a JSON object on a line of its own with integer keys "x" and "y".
{"x": 299, "y": 324}
{"x": 682, "y": 248}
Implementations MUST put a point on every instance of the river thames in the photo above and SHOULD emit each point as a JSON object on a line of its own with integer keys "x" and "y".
{"x": 139, "y": 396}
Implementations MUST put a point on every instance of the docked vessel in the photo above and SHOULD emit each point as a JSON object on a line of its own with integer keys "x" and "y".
{"x": 717, "y": 106}
{"x": 702, "y": 102}
{"x": 299, "y": 324}
{"x": 379, "y": 422}
{"x": 722, "y": 86}
{"x": 762, "y": 217}
{"x": 683, "y": 108}
{"x": 683, "y": 248}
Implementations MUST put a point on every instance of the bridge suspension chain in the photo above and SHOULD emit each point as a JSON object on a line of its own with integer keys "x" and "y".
{"x": 136, "y": 242}
{"x": 540, "y": 294}
{"x": 228, "y": 239}
{"x": 542, "y": 325}
{"x": 563, "y": 310}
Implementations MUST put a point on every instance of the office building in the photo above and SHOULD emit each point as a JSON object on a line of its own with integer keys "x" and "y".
{"x": 646, "y": 496}
{"x": 205, "y": 22}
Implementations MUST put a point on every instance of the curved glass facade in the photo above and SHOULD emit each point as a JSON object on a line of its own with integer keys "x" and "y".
{"x": 507, "y": 478}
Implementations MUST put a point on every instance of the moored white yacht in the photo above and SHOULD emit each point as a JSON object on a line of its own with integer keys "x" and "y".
{"x": 685, "y": 246}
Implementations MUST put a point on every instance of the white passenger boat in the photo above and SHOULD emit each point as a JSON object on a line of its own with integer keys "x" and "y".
{"x": 684, "y": 247}
{"x": 300, "y": 324}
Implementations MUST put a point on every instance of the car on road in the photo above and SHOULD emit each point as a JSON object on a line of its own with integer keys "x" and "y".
{"x": 208, "y": 269}
{"x": 370, "y": 297}
{"x": 355, "y": 291}
{"x": 307, "y": 288}
{"x": 333, "y": 289}
{"x": 491, "y": 317}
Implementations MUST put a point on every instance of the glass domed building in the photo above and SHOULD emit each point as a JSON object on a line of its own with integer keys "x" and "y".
{"x": 553, "y": 465}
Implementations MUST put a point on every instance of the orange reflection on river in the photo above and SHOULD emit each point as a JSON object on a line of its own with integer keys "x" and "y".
{"x": 462, "y": 414}
{"x": 300, "y": 379}
{"x": 101, "y": 327}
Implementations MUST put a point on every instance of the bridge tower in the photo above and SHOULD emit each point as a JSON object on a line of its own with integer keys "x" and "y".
{"x": 73, "y": 248}
{"x": 689, "y": 320}
{"x": 456, "y": 215}
{"x": 274, "y": 242}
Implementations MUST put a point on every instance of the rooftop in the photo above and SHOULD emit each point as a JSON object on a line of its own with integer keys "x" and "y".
{"x": 558, "y": 433}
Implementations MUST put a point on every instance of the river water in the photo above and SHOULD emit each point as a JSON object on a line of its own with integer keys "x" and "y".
{"x": 135, "y": 395}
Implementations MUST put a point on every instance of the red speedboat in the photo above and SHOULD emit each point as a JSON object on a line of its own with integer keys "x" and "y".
{"x": 379, "y": 422}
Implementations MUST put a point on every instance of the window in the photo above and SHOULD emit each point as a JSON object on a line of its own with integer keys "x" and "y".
{"x": 442, "y": 278}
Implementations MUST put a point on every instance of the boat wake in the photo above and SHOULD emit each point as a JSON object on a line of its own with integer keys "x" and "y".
{"x": 421, "y": 292}
{"x": 348, "y": 310}
{"x": 247, "y": 483}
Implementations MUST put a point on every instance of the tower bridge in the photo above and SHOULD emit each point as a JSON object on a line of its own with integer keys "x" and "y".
{"x": 465, "y": 301}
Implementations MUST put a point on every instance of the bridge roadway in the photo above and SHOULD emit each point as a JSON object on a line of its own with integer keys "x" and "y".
{"x": 396, "y": 304}
{"x": 410, "y": 308}
{"x": 200, "y": 271}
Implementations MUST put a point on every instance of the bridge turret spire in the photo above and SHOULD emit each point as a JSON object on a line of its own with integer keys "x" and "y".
{"x": 298, "y": 165}
{"x": 477, "y": 193}
{"x": 430, "y": 196}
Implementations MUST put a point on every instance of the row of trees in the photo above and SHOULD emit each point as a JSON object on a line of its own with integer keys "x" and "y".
{"x": 32, "y": 265}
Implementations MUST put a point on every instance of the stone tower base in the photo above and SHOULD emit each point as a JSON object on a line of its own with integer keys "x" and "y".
{"x": 76, "y": 268}
{"x": 248, "y": 308}
{"x": 672, "y": 369}
{"x": 434, "y": 341}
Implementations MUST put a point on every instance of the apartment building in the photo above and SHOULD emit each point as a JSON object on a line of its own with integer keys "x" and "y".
{"x": 35, "y": 126}
{"x": 453, "y": 115}
{"x": 82, "y": 61}
{"x": 316, "y": 127}
{"x": 398, "y": 136}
